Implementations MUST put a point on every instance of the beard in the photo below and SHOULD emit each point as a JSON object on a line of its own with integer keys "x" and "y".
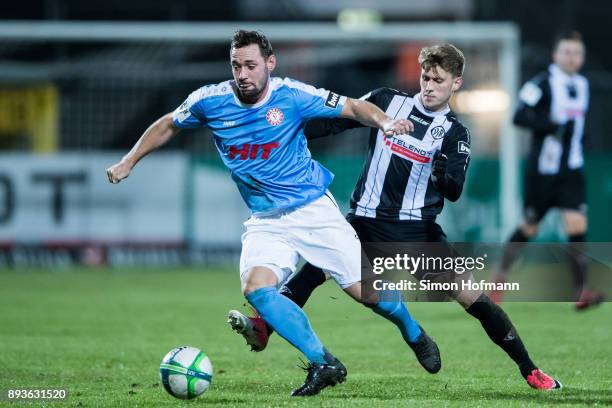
{"x": 253, "y": 92}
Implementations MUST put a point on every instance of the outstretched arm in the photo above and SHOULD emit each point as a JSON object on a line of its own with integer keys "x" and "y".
{"x": 317, "y": 128}
{"x": 371, "y": 115}
{"x": 156, "y": 135}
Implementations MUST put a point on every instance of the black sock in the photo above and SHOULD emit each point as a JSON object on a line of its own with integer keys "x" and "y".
{"x": 512, "y": 248}
{"x": 579, "y": 261}
{"x": 501, "y": 331}
{"x": 300, "y": 286}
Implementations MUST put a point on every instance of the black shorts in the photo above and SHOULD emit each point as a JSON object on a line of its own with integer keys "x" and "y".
{"x": 563, "y": 191}
{"x": 427, "y": 237}
{"x": 375, "y": 230}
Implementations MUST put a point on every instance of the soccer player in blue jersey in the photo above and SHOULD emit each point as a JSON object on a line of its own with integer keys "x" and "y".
{"x": 258, "y": 123}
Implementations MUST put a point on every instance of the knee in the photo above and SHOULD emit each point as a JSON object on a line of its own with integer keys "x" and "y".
{"x": 466, "y": 298}
{"x": 369, "y": 302}
{"x": 248, "y": 288}
{"x": 368, "y": 298}
{"x": 257, "y": 278}
{"x": 382, "y": 299}
{"x": 250, "y": 285}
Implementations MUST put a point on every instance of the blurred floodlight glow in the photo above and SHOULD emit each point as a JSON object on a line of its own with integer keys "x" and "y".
{"x": 359, "y": 19}
{"x": 481, "y": 101}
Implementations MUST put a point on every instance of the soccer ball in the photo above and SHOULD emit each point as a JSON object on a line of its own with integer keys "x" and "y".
{"x": 186, "y": 372}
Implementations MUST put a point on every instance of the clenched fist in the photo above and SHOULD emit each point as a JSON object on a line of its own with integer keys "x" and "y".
{"x": 398, "y": 127}
{"x": 118, "y": 171}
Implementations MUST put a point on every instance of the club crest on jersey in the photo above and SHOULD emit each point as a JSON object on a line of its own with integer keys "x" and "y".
{"x": 275, "y": 116}
{"x": 438, "y": 132}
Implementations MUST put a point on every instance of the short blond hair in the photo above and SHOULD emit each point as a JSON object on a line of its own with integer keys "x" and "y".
{"x": 446, "y": 56}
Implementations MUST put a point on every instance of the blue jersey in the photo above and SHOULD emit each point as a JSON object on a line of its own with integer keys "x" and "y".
{"x": 263, "y": 145}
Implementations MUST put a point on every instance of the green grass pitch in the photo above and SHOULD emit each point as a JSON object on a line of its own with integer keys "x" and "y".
{"x": 102, "y": 333}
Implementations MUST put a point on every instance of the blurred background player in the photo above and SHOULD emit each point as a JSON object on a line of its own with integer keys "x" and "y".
{"x": 553, "y": 105}
{"x": 400, "y": 193}
{"x": 258, "y": 125}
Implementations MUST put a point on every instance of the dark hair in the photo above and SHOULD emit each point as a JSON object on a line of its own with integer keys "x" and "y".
{"x": 568, "y": 36}
{"x": 243, "y": 38}
{"x": 446, "y": 56}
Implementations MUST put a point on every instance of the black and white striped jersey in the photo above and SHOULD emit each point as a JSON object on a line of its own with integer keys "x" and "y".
{"x": 553, "y": 105}
{"x": 395, "y": 182}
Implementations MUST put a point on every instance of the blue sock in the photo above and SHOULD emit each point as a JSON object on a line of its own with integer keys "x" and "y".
{"x": 392, "y": 308}
{"x": 289, "y": 321}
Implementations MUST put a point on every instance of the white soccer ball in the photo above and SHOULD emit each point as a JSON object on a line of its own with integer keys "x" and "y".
{"x": 186, "y": 372}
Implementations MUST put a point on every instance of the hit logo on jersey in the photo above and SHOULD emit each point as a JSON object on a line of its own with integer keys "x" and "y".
{"x": 250, "y": 151}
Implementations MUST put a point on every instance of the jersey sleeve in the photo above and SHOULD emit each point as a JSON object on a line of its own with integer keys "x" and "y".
{"x": 189, "y": 114}
{"x": 457, "y": 148}
{"x": 315, "y": 102}
{"x": 317, "y": 128}
{"x": 533, "y": 110}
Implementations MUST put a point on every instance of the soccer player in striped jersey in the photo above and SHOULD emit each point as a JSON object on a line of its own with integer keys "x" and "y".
{"x": 553, "y": 105}
{"x": 402, "y": 189}
{"x": 258, "y": 123}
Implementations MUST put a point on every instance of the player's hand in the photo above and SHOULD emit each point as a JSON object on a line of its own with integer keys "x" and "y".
{"x": 397, "y": 127}
{"x": 438, "y": 166}
{"x": 118, "y": 171}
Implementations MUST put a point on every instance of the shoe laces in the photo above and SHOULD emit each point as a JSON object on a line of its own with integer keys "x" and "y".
{"x": 309, "y": 367}
{"x": 306, "y": 366}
